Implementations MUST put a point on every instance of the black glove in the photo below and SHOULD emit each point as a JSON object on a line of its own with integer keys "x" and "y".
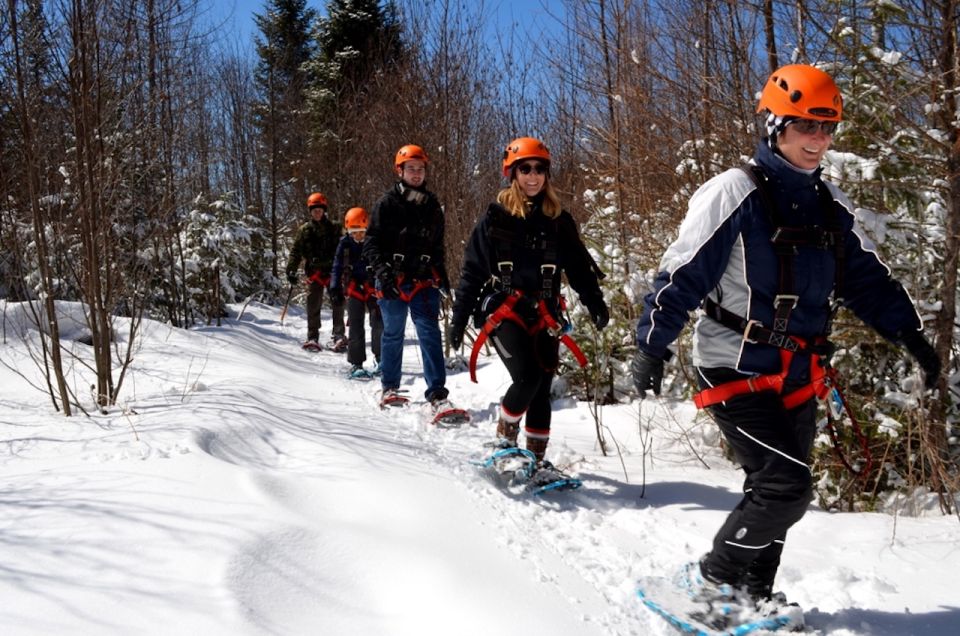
{"x": 599, "y": 313}
{"x": 455, "y": 335}
{"x": 292, "y": 278}
{"x": 647, "y": 373}
{"x": 387, "y": 283}
{"x": 925, "y": 355}
{"x": 336, "y": 295}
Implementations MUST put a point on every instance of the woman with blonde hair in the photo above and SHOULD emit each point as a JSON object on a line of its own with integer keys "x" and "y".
{"x": 510, "y": 284}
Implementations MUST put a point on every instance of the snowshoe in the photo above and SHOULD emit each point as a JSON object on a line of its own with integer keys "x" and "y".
{"x": 694, "y": 605}
{"x": 338, "y": 345}
{"x": 311, "y": 345}
{"x": 392, "y": 397}
{"x": 511, "y": 465}
{"x": 357, "y": 372}
{"x": 377, "y": 369}
{"x": 547, "y": 477}
{"x": 446, "y": 415}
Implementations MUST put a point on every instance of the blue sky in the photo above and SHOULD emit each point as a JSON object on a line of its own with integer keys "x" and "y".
{"x": 234, "y": 18}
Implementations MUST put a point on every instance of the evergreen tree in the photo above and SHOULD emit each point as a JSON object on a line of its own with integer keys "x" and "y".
{"x": 357, "y": 45}
{"x": 284, "y": 45}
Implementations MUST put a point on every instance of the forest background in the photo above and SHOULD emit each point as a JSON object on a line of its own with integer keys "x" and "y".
{"x": 150, "y": 166}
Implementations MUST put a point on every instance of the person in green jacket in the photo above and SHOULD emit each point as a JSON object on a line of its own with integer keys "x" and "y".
{"x": 315, "y": 244}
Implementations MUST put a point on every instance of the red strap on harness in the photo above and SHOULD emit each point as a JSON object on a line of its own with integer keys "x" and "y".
{"x": 821, "y": 378}
{"x": 363, "y": 293}
{"x": 417, "y": 288}
{"x": 506, "y": 312}
{"x": 319, "y": 278}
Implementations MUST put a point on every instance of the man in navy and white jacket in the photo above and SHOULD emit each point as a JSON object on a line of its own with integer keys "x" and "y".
{"x": 778, "y": 287}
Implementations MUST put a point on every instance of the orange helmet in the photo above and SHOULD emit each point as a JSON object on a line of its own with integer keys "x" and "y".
{"x": 523, "y": 148}
{"x": 355, "y": 219}
{"x": 408, "y": 152}
{"x": 800, "y": 90}
{"x": 317, "y": 199}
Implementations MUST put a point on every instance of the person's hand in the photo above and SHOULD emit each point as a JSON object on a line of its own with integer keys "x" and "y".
{"x": 599, "y": 313}
{"x": 336, "y": 295}
{"x": 387, "y": 283}
{"x": 292, "y": 278}
{"x": 926, "y": 357}
{"x": 647, "y": 373}
{"x": 455, "y": 336}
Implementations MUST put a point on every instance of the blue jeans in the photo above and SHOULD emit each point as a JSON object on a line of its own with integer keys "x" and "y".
{"x": 424, "y": 309}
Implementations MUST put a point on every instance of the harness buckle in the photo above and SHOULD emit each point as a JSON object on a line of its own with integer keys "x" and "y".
{"x": 505, "y": 266}
{"x": 398, "y": 258}
{"x": 548, "y": 267}
{"x": 793, "y": 298}
{"x": 746, "y": 330}
{"x": 424, "y": 259}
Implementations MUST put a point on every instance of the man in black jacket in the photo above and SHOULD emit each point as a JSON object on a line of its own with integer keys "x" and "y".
{"x": 405, "y": 248}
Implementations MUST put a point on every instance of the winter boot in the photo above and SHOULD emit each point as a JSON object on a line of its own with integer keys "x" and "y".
{"x": 725, "y": 605}
{"x": 507, "y": 433}
{"x": 537, "y": 446}
{"x": 357, "y": 372}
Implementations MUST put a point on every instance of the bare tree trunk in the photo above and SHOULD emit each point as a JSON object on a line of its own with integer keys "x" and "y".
{"x": 769, "y": 31}
{"x": 86, "y": 112}
{"x": 611, "y": 65}
{"x": 32, "y": 166}
{"x": 947, "y": 316}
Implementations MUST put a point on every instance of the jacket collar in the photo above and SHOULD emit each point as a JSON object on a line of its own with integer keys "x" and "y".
{"x": 782, "y": 171}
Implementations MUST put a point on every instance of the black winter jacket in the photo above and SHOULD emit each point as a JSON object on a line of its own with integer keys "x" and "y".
{"x": 415, "y": 230}
{"x": 480, "y": 262}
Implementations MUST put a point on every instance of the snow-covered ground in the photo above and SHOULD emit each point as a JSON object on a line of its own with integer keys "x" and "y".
{"x": 244, "y": 486}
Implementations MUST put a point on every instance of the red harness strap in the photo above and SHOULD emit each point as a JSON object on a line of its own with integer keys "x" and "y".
{"x": 506, "y": 312}
{"x": 821, "y": 381}
{"x": 362, "y": 293}
{"x": 319, "y": 278}
{"x": 418, "y": 287}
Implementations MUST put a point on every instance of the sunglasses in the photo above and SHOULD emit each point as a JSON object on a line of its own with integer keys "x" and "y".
{"x": 811, "y": 126}
{"x": 536, "y": 168}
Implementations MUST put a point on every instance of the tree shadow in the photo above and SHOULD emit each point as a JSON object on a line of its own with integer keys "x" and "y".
{"x": 881, "y": 623}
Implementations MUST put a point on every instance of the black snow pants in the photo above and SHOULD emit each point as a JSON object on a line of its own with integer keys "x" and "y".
{"x": 357, "y": 337}
{"x": 523, "y": 355}
{"x": 773, "y": 445}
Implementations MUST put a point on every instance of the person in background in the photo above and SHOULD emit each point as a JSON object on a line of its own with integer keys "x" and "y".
{"x": 315, "y": 244}
{"x": 352, "y": 279}
{"x": 511, "y": 282}
{"x": 769, "y": 251}
{"x": 405, "y": 248}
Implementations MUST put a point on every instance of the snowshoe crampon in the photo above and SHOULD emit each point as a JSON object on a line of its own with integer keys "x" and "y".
{"x": 446, "y": 415}
{"x": 392, "y": 397}
{"x": 547, "y": 478}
